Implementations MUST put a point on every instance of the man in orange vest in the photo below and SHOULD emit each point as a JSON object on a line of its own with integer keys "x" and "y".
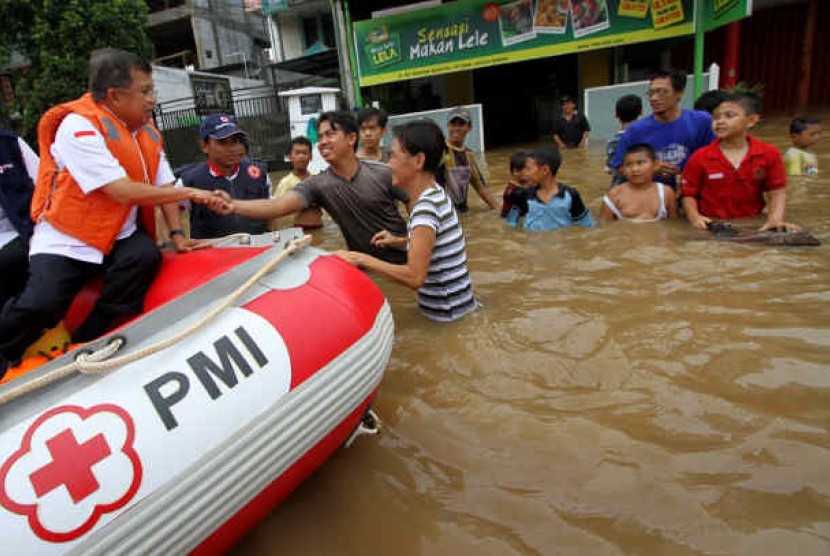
{"x": 101, "y": 160}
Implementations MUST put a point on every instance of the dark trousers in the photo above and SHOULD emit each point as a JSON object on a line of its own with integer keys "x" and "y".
{"x": 54, "y": 281}
{"x": 14, "y": 262}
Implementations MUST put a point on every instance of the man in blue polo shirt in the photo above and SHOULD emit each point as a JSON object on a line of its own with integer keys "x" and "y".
{"x": 226, "y": 169}
{"x": 673, "y": 132}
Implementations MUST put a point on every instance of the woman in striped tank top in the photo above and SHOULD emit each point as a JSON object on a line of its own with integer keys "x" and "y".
{"x": 436, "y": 253}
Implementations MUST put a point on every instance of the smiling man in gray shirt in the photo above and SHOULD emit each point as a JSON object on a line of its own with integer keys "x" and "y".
{"x": 358, "y": 194}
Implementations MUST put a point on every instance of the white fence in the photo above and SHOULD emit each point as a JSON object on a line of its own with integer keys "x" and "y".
{"x": 475, "y": 139}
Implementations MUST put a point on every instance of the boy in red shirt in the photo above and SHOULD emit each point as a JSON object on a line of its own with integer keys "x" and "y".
{"x": 728, "y": 178}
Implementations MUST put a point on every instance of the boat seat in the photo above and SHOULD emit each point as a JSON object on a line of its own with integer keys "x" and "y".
{"x": 179, "y": 274}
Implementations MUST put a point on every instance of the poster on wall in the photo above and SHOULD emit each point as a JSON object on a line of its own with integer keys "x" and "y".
{"x": 589, "y": 16}
{"x": 211, "y": 94}
{"x": 552, "y": 16}
{"x": 470, "y": 34}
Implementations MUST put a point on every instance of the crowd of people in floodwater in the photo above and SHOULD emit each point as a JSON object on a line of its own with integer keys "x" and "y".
{"x": 78, "y": 209}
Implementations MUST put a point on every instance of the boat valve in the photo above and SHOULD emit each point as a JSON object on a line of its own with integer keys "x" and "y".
{"x": 369, "y": 424}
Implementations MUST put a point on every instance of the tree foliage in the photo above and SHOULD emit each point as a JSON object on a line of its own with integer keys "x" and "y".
{"x": 56, "y": 37}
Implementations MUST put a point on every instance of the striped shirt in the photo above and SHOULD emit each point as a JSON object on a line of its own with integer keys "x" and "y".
{"x": 447, "y": 293}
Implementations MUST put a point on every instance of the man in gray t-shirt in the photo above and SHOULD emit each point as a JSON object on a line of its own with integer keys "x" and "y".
{"x": 358, "y": 195}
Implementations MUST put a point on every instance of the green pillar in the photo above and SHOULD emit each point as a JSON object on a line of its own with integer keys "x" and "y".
{"x": 699, "y": 41}
{"x": 358, "y": 96}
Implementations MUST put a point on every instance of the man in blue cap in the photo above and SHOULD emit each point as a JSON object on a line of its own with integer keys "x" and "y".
{"x": 226, "y": 169}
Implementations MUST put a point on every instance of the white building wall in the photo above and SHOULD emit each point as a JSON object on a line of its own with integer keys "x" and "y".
{"x": 174, "y": 84}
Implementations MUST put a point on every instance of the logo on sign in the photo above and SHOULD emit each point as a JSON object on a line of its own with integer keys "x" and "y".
{"x": 74, "y": 465}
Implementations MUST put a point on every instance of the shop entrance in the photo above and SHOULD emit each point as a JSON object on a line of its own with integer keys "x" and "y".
{"x": 521, "y": 100}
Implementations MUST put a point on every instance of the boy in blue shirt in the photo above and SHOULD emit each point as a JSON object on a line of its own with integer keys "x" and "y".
{"x": 628, "y": 109}
{"x": 550, "y": 204}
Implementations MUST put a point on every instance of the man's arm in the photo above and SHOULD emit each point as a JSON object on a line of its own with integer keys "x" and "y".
{"x": 265, "y": 209}
{"x": 776, "y": 182}
{"x": 586, "y": 130}
{"x": 413, "y": 274}
{"x": 690, "y": 185}
{"x": 670, "y": 198}
{"x": 695, "y": 218}
{"x": 128, "y": 192}
{"x": 479, "y": 184}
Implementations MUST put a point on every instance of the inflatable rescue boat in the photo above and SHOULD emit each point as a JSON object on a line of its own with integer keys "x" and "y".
{"x": 143, "y": 442}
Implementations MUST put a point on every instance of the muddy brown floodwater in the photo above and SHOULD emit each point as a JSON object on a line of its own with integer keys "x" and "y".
{"x": 633, "y": 389}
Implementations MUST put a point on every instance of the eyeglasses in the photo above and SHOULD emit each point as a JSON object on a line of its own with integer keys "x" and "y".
{"x": 659, "y": 93}
{"x": 148, "y": 94}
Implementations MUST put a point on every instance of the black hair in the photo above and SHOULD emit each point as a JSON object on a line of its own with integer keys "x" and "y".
{"x": 641, "y": 148}
{"x": 341, "y": 120}
{"x": 422, "y": 136}
{"x": 366, "y": 114}
{"x": 110, "y": 68}
{"x": 629, "y": 108}
{"x": 750, "y": 102}
{"x": 547, "y": 156}
{"x": 677, "y": 78}
{"x": 299, "y": 140}
{"x": 799, "y": 125}
{"x": 517, "y": 160}
{"x": 708, "y": 101}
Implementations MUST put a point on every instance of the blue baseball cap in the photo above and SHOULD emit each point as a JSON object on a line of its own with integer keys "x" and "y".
{"x": 219, "y": 126}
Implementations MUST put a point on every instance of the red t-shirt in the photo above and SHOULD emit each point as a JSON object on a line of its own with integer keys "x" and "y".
{"x": 722, "y": 191}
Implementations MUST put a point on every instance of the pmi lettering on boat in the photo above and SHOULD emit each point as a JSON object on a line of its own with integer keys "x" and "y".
{"x": 170, "y": 388}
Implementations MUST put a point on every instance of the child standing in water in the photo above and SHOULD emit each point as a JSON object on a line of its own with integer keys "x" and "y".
{"x": 458, "y": 168}
{"x": 436, "y": 262}
{"x": 799, "y": 159}
{"x": 640, "y": 198}
{"x": 549, "y": 204}
{"x": 728, "y": 179}
{"x": 628, "y": 109}
{"x": 300, "y": 155}
{"x": 519, "y": 181}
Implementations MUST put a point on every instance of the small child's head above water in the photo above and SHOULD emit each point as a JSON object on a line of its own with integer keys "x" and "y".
{"x": 518, "y": 161}
{"x": 640, "y": 164}
{"x": 805, "y": 132}
{"x": 628, "y": 108}
{"x": 543, "y": 162}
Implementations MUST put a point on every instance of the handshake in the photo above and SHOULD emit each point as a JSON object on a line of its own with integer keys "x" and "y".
{"x": 218, "y": 201}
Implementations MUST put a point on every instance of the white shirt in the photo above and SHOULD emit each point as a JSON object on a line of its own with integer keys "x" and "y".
{"x": 30, "y": 161}
{"x": 81, "y": 149}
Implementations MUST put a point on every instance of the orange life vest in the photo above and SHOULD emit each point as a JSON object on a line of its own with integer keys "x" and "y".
{"x": 94, "y": 218}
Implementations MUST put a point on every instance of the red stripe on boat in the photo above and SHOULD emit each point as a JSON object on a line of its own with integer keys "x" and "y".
{"x": 350, "y": 301}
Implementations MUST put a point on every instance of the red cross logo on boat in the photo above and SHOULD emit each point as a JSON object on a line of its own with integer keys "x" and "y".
{"x": 74, "y": 465}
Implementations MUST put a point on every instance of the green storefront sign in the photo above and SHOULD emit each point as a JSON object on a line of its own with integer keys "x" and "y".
{"x": 470, "y": 34}
{"x": 721, "y": 12}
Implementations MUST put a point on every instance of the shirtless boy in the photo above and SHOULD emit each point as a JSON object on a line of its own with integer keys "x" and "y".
{"x": 639, "y": 198}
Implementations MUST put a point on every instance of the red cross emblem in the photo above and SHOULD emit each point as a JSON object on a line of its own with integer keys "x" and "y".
{"x": 254, "y": 172}
{"x": 73, "y": 466}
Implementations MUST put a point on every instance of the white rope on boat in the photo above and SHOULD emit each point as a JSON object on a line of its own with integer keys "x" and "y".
{"x": 99, "y": 362}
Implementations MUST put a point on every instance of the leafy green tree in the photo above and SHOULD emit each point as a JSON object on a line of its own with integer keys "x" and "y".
{"x": 56, "y": 37}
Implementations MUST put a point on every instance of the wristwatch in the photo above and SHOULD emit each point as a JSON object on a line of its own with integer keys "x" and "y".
{"x": 176, "y": 233}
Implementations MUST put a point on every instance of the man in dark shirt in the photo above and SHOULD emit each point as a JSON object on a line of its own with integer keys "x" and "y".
{"x": 358, "y": 194}
{"x": 225, "y": 169}
{"x": 571, "y": 129}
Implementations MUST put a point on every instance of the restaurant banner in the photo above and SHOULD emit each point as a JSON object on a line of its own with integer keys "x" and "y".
{"x": 470, "y": 34}
{"x": 717, "y": 13}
